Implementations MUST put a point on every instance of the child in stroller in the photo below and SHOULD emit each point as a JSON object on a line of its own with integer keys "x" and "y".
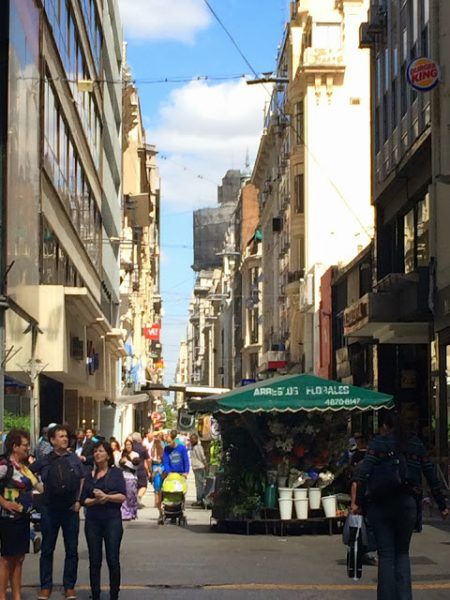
{"x": 174, "y": 490}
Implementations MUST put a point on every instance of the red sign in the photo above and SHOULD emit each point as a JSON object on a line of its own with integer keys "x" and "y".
{"x": 153, "y": 332}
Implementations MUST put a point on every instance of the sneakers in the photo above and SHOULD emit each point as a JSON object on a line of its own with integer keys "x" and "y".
{"x": 70, "y": 594}
{"x": 369, "y": 560}
{"x": 44, "y": 594}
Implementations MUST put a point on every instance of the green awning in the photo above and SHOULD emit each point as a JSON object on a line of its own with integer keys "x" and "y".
{"x": 294, "y": 393}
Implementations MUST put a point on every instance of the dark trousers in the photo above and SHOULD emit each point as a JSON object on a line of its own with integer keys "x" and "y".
{"x": 52, "y": 520}
{"x": 109, "y": 531}
{"x": 393, "y": 523}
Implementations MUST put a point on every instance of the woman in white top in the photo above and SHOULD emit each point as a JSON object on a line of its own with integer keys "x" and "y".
{"x": 129, "y": 463}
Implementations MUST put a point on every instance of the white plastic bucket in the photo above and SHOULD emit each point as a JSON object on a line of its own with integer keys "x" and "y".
{"x": 285, "y": 505}
{"x": 301, "y": 508}
{"x": 282, "y": 482}
{"x": 314, "y": 498}
{"x": 300, "y": 493}
{"x": 329, "y": 506}
{"x": 285, "y": 493}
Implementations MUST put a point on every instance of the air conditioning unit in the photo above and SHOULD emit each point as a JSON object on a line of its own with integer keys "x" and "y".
{"x": 307, "y": 293}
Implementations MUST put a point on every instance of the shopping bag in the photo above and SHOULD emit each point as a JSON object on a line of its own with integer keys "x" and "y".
{"x": 355, "y": 524}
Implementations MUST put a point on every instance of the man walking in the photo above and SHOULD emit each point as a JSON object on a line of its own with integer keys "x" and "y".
{"x": 61, "y": 472}
{"x": 198, "y": 464}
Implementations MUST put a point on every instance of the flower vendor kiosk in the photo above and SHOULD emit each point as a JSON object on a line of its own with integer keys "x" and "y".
{"x": 285, "y": 456}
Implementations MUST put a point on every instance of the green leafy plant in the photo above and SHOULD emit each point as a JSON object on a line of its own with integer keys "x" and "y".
{"x": 12, "y": 421}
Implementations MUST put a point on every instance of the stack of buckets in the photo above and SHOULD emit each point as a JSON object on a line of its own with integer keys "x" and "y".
{"x": 302, "y": 499}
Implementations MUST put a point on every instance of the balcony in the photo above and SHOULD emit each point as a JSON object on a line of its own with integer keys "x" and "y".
{"x": 293, "y": 281}
{"x": 377, "y": 17}
{"x": 323, "y": 60}
{"x": 273, "y": 361}
{"x": 388, "y": 317}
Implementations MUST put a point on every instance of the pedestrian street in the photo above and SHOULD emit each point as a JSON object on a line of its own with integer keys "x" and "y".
{"x": 176, "y": 563}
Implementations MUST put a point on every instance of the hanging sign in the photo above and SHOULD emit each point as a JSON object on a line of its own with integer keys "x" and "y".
{"x": 423, "y": 74}
{"x": 153, "y": 332}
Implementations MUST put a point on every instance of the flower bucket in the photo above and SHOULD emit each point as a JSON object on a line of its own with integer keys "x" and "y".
{"x": 300, "y": 493}
{"x": 284, "y": 493}
{"x": 285, "y": 505}
{"x": 301, "y": 508}
{"x": 315, "y": 495}
{"x": 282, "y": 482}
{"x": 329, "y": 506}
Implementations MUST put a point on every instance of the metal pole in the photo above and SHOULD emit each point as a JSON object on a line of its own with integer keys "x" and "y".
{"x": 4, "y": 53}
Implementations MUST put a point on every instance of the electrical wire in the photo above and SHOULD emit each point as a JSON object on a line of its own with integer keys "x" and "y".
{"x": 143, "y": 81}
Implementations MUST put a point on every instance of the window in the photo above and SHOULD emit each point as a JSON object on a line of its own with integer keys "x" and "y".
{"x": 394, "y": 103}
{"x": 299, "y": 122}
{"x": 56, "y": 268}
{"x": 301, "y": 252}
{"x": 327, "y": 36}
{"x": 408, "y": 241}
{"x": 416, "y": 236}
{"x": 423, "y": 225}
{"x": 404, "y": 91}
{"x": 299, "y": 193}
{"x": 385, "y": 117}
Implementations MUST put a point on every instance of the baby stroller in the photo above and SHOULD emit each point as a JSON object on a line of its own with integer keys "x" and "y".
{"x": 174, "y": 490}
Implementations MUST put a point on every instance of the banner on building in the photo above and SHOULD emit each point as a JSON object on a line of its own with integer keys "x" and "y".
{"x": 153, "y": 332}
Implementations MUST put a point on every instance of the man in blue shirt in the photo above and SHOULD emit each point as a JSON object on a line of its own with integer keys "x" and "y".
{"x": 175, "y": 457}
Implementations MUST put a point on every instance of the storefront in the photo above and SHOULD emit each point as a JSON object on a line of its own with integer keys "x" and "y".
{"x": 286, "y": 438}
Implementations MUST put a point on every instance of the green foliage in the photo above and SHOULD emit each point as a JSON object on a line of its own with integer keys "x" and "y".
{"x": 171, "y": 418}
{"x": 12, "y": 421}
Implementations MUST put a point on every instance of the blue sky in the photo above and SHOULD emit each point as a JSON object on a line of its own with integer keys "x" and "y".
{"x": 201, "y": 128}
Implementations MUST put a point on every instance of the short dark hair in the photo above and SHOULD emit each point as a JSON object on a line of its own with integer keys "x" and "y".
{"x": 107, "y": 447}
{"x": 14, "y": 438}
{"x": 56, "y": 429}
{"x": 173, "y": 433}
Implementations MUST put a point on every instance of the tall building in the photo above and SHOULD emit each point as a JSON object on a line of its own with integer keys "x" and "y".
{"x": 405, "y": 315}
{"x": 313, "y": 174}
{"x": 61, "y": 118}
{"x": 140, "y": 308}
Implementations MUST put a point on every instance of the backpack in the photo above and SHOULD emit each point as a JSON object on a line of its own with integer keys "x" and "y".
{"x": 62, "y": 481}
{"x": 388, "y": 476}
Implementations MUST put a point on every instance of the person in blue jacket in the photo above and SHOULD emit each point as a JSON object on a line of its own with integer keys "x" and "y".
{"x": 175, "y": 457}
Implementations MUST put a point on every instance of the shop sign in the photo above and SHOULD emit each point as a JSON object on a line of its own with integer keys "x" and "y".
{"x": 423, "y": 74}
{"x": 355, "y": 313}
{"x": 153, "y": 332}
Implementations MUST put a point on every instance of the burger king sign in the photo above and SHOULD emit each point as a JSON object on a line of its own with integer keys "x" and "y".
{"x": 423, "y": 74}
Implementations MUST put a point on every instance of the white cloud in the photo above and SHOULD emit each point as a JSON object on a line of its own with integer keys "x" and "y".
{"x": 204, "y": 130}
{"x": 178, "y": 20}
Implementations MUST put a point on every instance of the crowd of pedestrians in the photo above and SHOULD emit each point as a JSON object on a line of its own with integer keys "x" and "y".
{"x": 66, "y": 474}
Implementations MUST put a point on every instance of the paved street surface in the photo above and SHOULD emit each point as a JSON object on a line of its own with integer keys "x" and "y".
{"x": 180, "y": 564}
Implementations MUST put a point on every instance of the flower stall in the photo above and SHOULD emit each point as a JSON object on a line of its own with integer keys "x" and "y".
{"x": 284, "y": 449}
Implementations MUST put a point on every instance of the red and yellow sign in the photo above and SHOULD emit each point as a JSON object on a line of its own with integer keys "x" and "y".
{"x": 423, "y": 74}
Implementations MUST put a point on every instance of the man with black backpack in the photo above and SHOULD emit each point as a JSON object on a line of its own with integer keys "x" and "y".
{"x": 62, "y": 474}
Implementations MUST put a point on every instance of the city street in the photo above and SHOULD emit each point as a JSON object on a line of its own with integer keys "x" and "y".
{"x": 176, "y": 563}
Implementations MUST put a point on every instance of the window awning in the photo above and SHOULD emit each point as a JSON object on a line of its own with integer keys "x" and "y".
{"x": 294, "y": 393}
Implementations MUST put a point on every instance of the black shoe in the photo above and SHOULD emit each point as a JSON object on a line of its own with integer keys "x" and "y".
{"x": 37, "y": 544}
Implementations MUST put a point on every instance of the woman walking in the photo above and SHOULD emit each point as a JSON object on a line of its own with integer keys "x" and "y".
{"x": 156, "y": 467}
{"x": 129, "y": 464}
{"x": 387, "y": 485}
{"x": 16, "y": 485}
{"x": 103, "y": 494}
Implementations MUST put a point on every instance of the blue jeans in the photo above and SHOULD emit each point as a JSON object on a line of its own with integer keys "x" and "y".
{"x": 393, "y": 523}
{"x": 51, "y": 521}
{"x": 110, "y": 531}
{"x": 199, "y": 476}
